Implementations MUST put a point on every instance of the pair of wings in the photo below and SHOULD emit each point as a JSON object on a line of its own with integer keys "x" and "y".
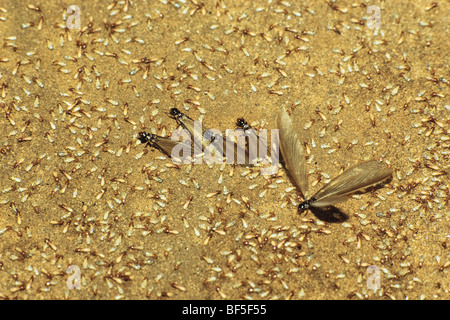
{"x": 353, "y": 179}
{"x": 167, "y": 145}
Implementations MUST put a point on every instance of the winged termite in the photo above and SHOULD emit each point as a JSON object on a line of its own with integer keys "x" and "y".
{"x": 189, "y": 124}
{"x": 169, "y": 147}
{"x": 358, "y": 177}
{"x": 257, "y": 143}
{"x": 257, "y": 147}
{"x": 211, "y": 141}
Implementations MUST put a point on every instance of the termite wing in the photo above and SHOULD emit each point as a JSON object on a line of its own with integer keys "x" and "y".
{"x": 169, "y": 147}
{"x": 358, "y": 177}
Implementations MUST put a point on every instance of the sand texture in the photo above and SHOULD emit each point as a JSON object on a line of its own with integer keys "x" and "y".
{"x": 82, "y": 198}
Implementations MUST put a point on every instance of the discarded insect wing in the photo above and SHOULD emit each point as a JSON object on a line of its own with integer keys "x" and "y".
{"x": 194, "y": 127}
{"x": 292, "y": 152}
{"x": 168, "y": 146}
{"x": 361, "y": 176}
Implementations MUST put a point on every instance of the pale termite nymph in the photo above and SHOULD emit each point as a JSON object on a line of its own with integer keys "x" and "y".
{"x": 358, "y": 177}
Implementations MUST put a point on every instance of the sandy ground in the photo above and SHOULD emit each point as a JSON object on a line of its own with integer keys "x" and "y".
{"x": 81, "y": 198}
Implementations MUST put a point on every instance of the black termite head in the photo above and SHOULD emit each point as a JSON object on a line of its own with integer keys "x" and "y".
{"x": 302, "y": 207}
{"x": 145, "y": 137}
{"x": 305, "y": 205}
{"x": 241, "y": 123}
{"x": 174, "y": 112}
